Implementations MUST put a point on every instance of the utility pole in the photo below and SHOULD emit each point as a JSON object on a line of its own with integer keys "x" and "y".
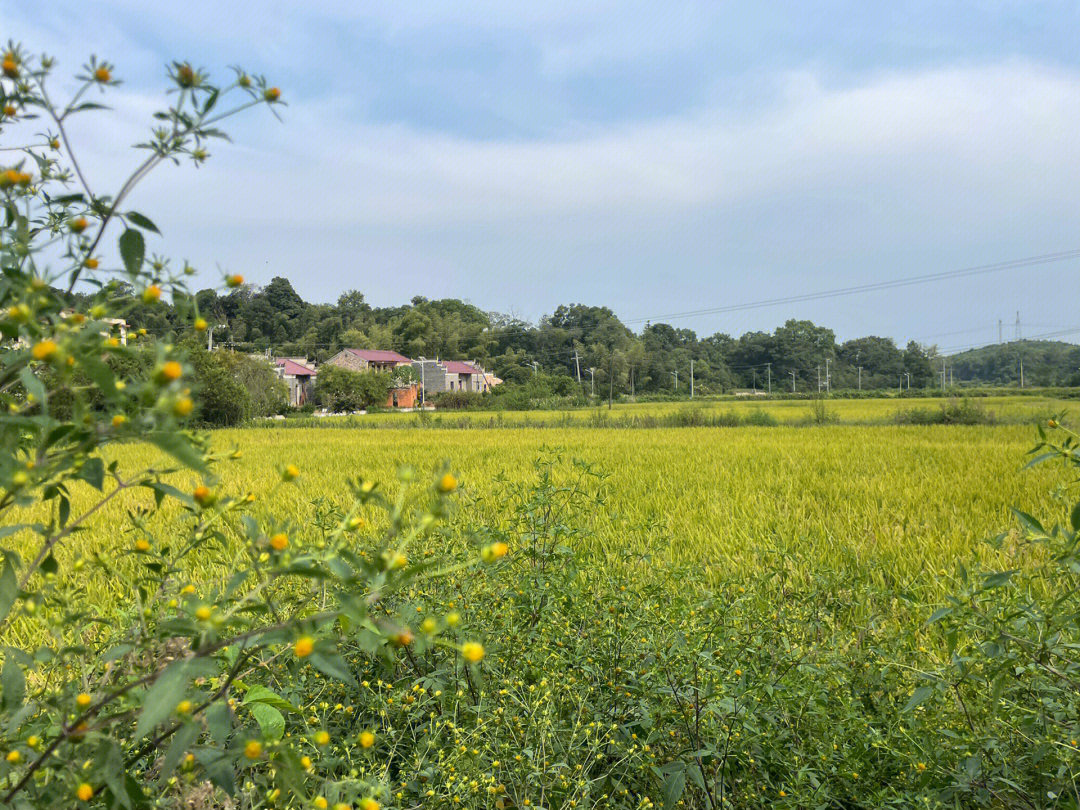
{"x": 769, "y": 367}
{"x": 819, "y": 378}
{"x": 423, "y": 393}
{"x": 792, "y": 381}
{"x": 901, "y": 384}
{"x": 535, "y": 366}
{"x": 691, "y": 378}
{"x": 675, "y": 374}
{"x": 908, "y": 375}
{"x": 592, "y": 381}
{"x": 942, "y": 374}
{"x": 950, "y": 377}
{"x": 860, "y": 378}
{"x": 611, "y": 378}
{"x": 577, "y": 365}
{"x": 1021, "y": 372}
{"x": 210, "y": 339}
{"x": 1018, "y": 324}
{"x": 828, "y": 377}
{"x": 631, "y": 382}
{"x": 755, "y": 380}
{"x": 999, "y": 330}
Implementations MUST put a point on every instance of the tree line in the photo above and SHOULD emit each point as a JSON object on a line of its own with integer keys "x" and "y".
{"x": 580, "y": 340}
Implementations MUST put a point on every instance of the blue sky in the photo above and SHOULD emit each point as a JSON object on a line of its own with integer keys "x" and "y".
{"x": 653, "y": 157}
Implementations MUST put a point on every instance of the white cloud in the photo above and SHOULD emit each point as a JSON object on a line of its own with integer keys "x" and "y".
{"x": 993, "y": 136}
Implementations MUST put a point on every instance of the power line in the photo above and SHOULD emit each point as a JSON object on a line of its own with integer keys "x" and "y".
{"x": 1030, "y": 261}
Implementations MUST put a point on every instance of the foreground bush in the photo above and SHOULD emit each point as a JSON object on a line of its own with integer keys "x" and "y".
{"x": 160, "y": 697}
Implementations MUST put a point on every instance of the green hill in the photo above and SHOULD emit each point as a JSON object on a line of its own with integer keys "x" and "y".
{"x": 1046, "y": 363}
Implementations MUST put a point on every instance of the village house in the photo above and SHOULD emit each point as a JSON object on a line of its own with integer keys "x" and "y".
{"x": 298, "y": 376}
{"x": 368, "y": 360}
{"x": 452, "y": 375}
{"x": 403, "y": 395}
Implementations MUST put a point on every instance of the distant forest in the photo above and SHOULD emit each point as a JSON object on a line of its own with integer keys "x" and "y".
{"x": 798, "y": 353}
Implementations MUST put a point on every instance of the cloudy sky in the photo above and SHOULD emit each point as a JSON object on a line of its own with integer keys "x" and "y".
{"x": 652, "y": 157}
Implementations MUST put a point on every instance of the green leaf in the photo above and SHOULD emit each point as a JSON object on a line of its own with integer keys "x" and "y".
{"x": 180, "y": 745}
{"x": 219, "y": 722}
{"x": 180, "y": 448}
{"x": 9, "y": 586}
{"x": 260, "y": 694}
{"x": 93, "y": 473}
{"x": 673, "y": 788}
{"x": 49, "y": 565}
{"x": 1030, "y": 524}
{"x": 132, "y": 250}
{"x": 1074, "y": 518}
{"x": 143, "y": 222}
{"x": 161, "y": 698}
{"x": 920, "y": 695}
{"x": 218, "y": 766}
{"x": 13, "y": 683}
{"x": 270, "y": 720}
{"x": 333, "y": 665}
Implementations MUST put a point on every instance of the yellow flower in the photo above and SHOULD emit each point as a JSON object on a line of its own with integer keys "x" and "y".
{"x": 151, "y": 294}
{"x": 453, "y": 618}
{"x": 91, "y": 263}
{"x": 447, "y": 483}
{"x": 342, "y": 806}
{"x": 119, "y": 420}
{"x": 494, "y": 551}
{"x": 322, "y": 738}
{"x": 13, "y": 757}
{"x": 367, "y": 739}
{"x": 183, "y": 406}
{"x": 304, "y": 647}
{"x": 142, "y": 544}
{"x": 201, "y": 325}
{"x": 305, "y": 763}
{"x": 234, "y": 281}
{"x": 44, "y": 350}
{"x": 472, "y": 652}
{"x": 369, "y": 804}
{"x": 83, "y": 700}
{"x": 203, "y": 613}
{"x": 279, "y": 542}
{"x": 272, "y": 94}
{"x": 253, "y": 749}
{"x": 183, "y": 707}
{"x": 102, "y": 75}
{"x": 188, "y": 589}
{"x": 202, "y": 495}
{"x": 78, "y": 225}
{"x": 402, "y": 638}
{"x": 170, "y": 372}
{"x": 290, "y": 472}
{"x": 84, "y": 792}
{"x": 429, "y": 625}
{"x": 320, "y": 803}
{"x": 33, "y": 740}
{"x": 920, "y": 766}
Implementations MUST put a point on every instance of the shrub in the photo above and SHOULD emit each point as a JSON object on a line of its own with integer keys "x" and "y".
{"x": 953, "y": 412}
{"x": 181, "y": 690}
{"x": 339, "y": 389}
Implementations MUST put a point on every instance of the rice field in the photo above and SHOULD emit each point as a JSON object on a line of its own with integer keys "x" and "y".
{"x": 883, "y": 411}
{"x": 891, "y": 501}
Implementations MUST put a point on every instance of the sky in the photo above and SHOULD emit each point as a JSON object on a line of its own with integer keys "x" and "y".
{"x": 655, "y": 158}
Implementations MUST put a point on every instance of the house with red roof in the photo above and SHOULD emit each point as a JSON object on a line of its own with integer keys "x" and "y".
{"x": 437, "y": 376}
{"x": 299, "y": 376}
{"x": 368, "y": 360}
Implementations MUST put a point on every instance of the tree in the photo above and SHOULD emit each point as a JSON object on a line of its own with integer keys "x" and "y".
{"x": 339, "y": 389}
